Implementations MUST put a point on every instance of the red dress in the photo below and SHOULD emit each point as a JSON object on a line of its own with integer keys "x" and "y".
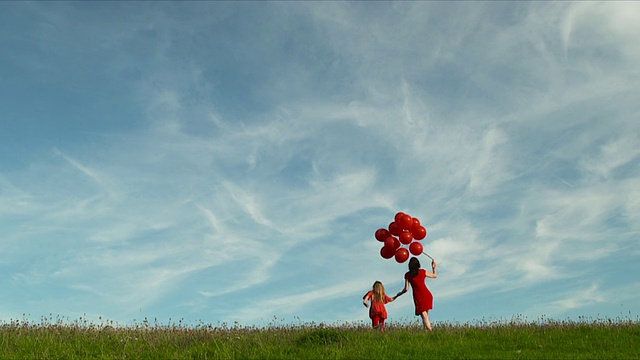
{"x": 422, "y": 297}
{"x": 378, "y": 308}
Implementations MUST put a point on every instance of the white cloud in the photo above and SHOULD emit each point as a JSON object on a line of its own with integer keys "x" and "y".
{"x": 617, "y": 22}
{"x": 489, "y": 169}
{"x": 575, "y": 299}
{"x": 295, "y": 302}
{"x": 251, "y": 205}
{"x": 612, "y": 155}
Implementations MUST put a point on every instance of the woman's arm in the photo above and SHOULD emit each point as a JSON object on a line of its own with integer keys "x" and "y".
{"x": 434, "y": 274}
{"x": 406, "y": 288}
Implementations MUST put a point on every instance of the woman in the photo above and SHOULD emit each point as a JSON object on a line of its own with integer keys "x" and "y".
{"x": 422, "y": 297}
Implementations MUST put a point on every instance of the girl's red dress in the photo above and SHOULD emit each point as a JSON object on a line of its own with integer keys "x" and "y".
{"x": 378, "y": 308}
{"x": 422, "y": 297}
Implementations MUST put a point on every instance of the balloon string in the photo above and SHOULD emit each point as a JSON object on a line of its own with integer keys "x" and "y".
{"x": 428, "y": 256}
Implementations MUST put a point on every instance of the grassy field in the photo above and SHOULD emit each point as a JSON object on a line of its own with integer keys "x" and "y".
{"x": 514, "y": 339}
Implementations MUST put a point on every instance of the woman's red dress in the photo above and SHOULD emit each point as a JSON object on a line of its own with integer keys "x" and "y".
{"x": 422, "y": 297}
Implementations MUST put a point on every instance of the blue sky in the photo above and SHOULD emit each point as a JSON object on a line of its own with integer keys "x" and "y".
{"x": 230, "y": 162}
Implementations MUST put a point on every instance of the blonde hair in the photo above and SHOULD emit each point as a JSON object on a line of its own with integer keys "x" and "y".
{"x": 378, "y": 292}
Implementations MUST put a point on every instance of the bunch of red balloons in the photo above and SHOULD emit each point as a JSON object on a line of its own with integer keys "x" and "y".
{"x": 402, "y": 237}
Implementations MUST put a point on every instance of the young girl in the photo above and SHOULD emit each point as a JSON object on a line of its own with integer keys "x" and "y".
{"x": 377, "y": 310}
{"x": 422, "y": 297}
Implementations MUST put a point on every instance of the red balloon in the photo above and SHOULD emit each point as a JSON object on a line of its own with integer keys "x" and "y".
{"x": 392, "y": 243}
{"x": 406, "y": 221}
{"x": 382, "y": 234}
{"x": 387, "y": 253}
{"x": 402, "y": 255}
{"x": 419, "y": 233}
{"x": 406, "y": 237}
{"x": 398, "y": 215}
{"x": 416, "y": 223}
{"x": 394, "y": 229}
{"x": 416, "y": 248}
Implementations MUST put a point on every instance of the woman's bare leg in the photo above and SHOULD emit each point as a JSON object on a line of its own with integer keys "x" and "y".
{"x": 425, "y": 320}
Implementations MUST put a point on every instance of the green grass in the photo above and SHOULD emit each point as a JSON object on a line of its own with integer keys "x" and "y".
{"x": 514, "y": 339}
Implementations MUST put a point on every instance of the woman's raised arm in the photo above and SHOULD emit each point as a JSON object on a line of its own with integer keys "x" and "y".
{"x": 433, "y": 274}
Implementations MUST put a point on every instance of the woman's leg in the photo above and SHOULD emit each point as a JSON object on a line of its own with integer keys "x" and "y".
{"x": 425, "y": 320}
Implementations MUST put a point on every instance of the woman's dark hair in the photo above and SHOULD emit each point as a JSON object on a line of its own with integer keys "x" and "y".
{"x": 414, "y": 266}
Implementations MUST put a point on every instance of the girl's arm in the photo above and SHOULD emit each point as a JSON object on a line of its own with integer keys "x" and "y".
{"x": 434, "y": 274}
{"x": 366, "y": 298}
{"x": 406, "y": 288}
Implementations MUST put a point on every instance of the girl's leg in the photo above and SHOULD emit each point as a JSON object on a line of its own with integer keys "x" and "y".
{"x": 383, "y": 327}
{"x": 375, "y": 321}
{"x": 425, "y": 320}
